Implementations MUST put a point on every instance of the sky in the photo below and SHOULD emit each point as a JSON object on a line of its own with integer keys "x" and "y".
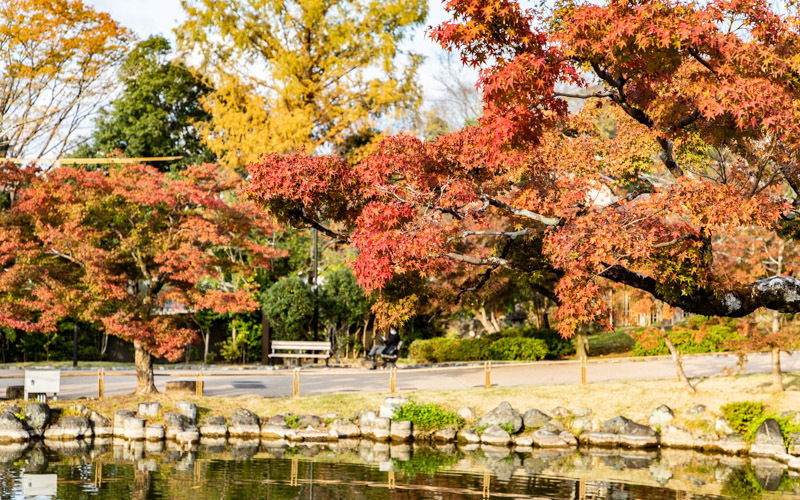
{"x": 149, "y": 17}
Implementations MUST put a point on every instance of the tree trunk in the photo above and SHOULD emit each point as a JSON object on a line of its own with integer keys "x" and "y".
{"x": 581, "y": 345}
{"x": 676, "y": 358}
{"x": 206, "y": 338}
{"x": 487, "y": 323}
{"x": 266, "y": 340}
{"x": 777, "y": 375}
{"x": 145, "y": 382}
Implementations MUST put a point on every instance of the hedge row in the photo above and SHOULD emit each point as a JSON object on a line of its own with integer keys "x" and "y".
{"x": 698, "y": 335}
{"x": 442, "y": 350}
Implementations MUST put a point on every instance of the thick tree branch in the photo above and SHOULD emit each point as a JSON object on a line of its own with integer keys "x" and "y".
{"x": 779, "y": 293}
{"x": 521, "y": 212}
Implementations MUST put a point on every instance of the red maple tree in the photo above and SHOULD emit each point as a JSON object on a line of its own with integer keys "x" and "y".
{"x": 125, "y": 248}
{"x": 705, "y": 107}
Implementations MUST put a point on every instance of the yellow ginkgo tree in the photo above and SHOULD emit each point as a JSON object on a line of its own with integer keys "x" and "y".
{"x": 302, "y": 74}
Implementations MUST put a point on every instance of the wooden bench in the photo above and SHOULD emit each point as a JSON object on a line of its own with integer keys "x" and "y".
{"x": 299, "y": 349}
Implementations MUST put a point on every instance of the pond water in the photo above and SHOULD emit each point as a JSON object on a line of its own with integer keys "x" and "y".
{"x": 364, "y": 470}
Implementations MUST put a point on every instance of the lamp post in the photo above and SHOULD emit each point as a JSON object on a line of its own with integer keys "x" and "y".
{"x": 315, "y": 279}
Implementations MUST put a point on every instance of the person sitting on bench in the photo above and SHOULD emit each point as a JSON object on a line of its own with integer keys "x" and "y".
{"x": 388, "y": 347}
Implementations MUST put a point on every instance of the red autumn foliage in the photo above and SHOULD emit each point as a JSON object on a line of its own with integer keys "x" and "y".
{"x": 118, "y": 247}
{"x": 705, "y": 109}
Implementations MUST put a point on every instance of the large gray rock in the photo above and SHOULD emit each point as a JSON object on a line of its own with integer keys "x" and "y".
{"x": 533, "y": 418}
{"x": 11, "y": 429}
{"x": 101, "y": 425}
{"x": 120, "y": 416}
{"x": 446, "y": 435}
{"x": 401, "y": 430}
{"x": 722, "y": 427}
{"x": 614, "y": 425}
{"x": 697, "y": 409}
{"x": 188, "y": 410}
{"x": 676, "y": 437}
{"x": 276, "y": 420}
{"x": 496, "y": 435}
{"x": 272, "y": 431}
{"x": 466, "y": 413}
{"x": 213, "y": 426}
{"x": 175, "y": 423}
{"x": 661, "y": 416}
{"x": 154, "y": 432}
{"x": 243, "y": 423}
{"x": 768, "y": 440}
{"x": 628, "y": 433}
{"x": 381, "y": 429}
{"x": 305, "y": 421}
{"x": 149, "y": 409}
{"x": 504, "y": 415}
{"x": 732, "y": 444}
{"x": 366, "y": 421}
{"x": 37, "y": 417}
{"x": 69, "y": 428}
{"x": 345, "y": 429}
{"x": 468, "y": 436}
{"x": 134, "y": 428}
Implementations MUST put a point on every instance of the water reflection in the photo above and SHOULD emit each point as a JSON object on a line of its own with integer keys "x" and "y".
{"x": 353, "y": 469}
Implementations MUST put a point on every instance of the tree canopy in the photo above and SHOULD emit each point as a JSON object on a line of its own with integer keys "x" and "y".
{"x": 129, "y": 248}
{"x": 56, "y": 58}
{"x": 158, "y": 111}
{"x": 703, "y": 99}
{"x": 324, "y": 70}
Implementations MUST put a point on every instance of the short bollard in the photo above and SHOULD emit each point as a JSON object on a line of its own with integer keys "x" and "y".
{"x": 583, "y": 370}
{"x": 392, "y": 481}
{"x": 199, "y": 387}
{"x": 101, "y": 382}
{"x": 296, "y": 383}
{"x": 487, "y": 367}
{"x": 393, "y": 379}
{"x": 487, "y": 484}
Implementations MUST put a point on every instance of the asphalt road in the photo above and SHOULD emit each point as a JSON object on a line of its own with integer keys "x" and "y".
{"x": 314, "y": 380}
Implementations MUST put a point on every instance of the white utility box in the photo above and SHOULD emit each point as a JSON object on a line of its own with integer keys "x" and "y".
{"x": 40, "y": 382}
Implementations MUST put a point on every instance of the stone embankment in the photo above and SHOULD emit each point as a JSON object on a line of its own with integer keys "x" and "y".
{"x": 561, "y": 428}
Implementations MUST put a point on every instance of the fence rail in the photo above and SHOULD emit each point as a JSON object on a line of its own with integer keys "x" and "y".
{"x": 295, "y": 373}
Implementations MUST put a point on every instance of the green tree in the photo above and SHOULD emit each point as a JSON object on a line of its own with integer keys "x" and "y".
{"x": 157, "y": 111}
{"x": 344, "y": 305}
{"x": 289, "y": 306}
{"x": 331, "y": 69}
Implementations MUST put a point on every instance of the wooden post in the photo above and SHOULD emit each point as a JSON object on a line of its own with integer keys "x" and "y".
{"x": 101, "y": 383}
{"x": 393, "y": 379}
{"x": 487, "y": 482}
{"x": 98, "y": 474}
{"x": 487, "y": 367}
{"x": 392, "y": 482}
{"x": 296, "y": 383}
{"x": 582, "y": 490}
{"x": 199, "y": 388}
{"x": 293, "y": 478}
{"x": 583, "y": 371}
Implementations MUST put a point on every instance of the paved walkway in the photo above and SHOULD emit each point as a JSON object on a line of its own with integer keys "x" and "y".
{"x": 313, "y": 380}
